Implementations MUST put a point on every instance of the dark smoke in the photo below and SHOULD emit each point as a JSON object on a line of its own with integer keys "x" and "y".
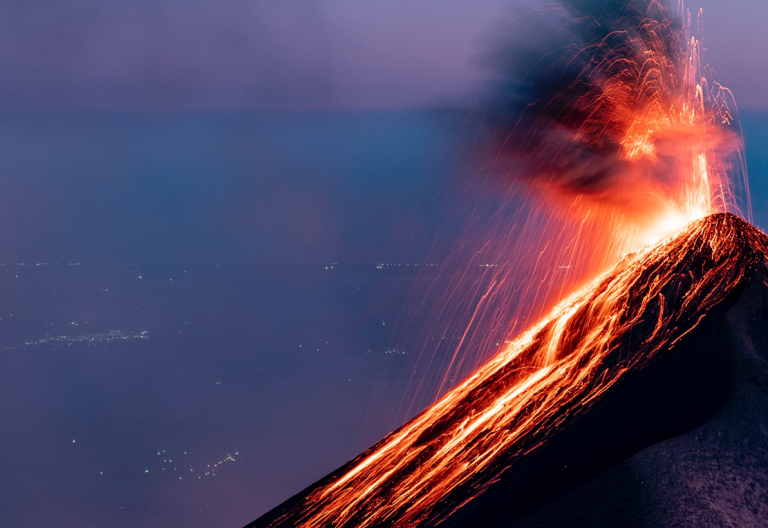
{"x": 572, "y": 79}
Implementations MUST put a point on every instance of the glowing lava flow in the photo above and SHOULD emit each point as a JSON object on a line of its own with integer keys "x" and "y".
{"x": 641, "y": 144}
{"x": 450, "y": 454}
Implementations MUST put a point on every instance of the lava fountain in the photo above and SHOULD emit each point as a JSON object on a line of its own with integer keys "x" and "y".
{"x": 620, "y": 135}
{"x": 618, "y": 113}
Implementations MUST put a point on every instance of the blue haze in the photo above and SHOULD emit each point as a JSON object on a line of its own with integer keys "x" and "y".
{"x": 246, "y": 248}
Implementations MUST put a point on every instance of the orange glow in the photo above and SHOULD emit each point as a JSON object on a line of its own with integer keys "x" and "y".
{"x": 679, "y": 164}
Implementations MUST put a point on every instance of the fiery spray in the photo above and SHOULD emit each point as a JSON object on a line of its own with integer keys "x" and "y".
{"x": 605, "y": 131}
{"x": 618, "y": 132}
{"x": 621, "y": 115}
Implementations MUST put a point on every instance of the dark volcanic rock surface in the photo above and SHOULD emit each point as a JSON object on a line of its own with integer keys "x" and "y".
{"x": 715, "y": 475}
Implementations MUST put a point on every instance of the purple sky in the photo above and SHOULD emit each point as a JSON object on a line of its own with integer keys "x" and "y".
{"x": 291, "y": 54}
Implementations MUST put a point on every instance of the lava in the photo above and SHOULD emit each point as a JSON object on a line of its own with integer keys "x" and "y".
{"x": 446, "y": 457}
{"x": 620, "y": 133}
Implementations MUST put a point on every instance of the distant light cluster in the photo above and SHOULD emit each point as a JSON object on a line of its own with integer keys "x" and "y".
{"x": 382, "y": 265}
{"x": 100, "y": 337}
{"x": 57, "y": 264}
{"x": 184, "y": 467}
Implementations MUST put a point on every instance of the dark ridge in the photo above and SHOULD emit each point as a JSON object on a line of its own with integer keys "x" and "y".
{"x": 713, "y": 475}
{"x": 715, "y": 269}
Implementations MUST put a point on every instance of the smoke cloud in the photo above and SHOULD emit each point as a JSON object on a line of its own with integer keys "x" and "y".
{"x": 606, "y": 101}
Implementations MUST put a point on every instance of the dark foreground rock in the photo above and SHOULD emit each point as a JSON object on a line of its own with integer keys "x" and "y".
{"x": 715, "y": 475}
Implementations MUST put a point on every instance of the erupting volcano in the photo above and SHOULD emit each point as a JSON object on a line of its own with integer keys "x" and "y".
{"x": 618, "y": 132}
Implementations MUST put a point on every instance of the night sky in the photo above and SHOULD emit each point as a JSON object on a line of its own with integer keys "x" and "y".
{"x": 292, "y": 54}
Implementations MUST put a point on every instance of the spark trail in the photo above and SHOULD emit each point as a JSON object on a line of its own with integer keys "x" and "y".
{"x": 606, "y": 131}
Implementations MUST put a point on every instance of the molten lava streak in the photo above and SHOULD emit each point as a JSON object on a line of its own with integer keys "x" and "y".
{"x": 450, "y": 454}
{"x": 626, "y": 131}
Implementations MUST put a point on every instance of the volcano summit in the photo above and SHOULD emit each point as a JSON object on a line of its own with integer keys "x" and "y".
{"x": 559, "y": 428}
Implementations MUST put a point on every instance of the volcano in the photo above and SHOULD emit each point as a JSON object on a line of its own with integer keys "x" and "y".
{"x": 641, "y": 400}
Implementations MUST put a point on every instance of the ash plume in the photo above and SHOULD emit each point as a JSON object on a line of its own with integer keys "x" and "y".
{"x": 609, "y": 101}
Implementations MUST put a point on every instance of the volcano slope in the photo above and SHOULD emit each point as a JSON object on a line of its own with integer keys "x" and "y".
{"x": 714, "y": 475}
{"x": 639, "y": 401}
